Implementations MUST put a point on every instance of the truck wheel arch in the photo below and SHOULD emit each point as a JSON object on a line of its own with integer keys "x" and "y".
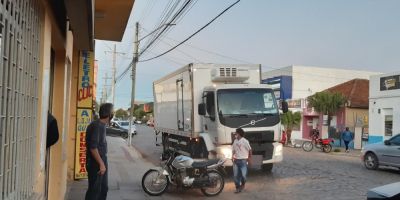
{"x": 207, "y": 141}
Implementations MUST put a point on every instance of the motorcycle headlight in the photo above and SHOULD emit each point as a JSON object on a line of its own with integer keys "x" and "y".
{"x": 226, "y": 152}
{"x": 279, "y": 150}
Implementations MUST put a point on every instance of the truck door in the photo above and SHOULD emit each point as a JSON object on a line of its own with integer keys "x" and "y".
{"x": 180, "y": 110}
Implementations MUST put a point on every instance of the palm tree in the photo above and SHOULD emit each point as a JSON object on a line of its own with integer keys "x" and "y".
{"x": 289, "y": 120}
{"x": 326, "y": 103}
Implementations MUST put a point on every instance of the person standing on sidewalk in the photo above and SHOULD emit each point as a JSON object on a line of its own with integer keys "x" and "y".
{"x": 347, "y": 137}
{"x": 96, "y": 158}
{"x": 241, "y": 155}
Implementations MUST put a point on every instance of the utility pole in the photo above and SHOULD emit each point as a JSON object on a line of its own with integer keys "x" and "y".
{"x": 113, "y": 74}
{"x": 134, "y": 61}
{"x": 104, "y": 92}
{"x": 114, "y": 70}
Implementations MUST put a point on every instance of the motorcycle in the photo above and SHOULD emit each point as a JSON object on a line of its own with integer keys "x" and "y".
{"x": 182, "y": 172}
{"x": 323, "y": 144}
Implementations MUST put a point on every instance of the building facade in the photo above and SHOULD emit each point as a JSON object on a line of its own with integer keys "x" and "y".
{"x": 303, "y": 81}
{"x": 354, "y": 114}
{"x": 40, "y": 43}
{"x": 384, "y": 107}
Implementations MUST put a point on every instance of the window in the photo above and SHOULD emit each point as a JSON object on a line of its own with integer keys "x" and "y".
{"x": 395, "y": 141}
{"x": 210, "y": 105}
{"x": 247, "y": 102}
{"x": 388, "y": 125}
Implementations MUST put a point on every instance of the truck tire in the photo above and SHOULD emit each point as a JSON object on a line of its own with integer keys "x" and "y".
{"x": 267, "y": 167}
{"x": 165, "y": 143}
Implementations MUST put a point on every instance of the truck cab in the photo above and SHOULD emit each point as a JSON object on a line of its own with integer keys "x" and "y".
{"x": 252, "y": 107}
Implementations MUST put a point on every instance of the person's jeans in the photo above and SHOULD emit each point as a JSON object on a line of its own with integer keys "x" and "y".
{"x": 346, "y": 143}
{"x": 95, "y": 190}
{"x": 239, "y": 172}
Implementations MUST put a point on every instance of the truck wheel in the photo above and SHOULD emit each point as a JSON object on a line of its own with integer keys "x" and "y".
{"x": 165, "y": 143}
{"x": 203, "y": 149}
{"x": 267, "y": 167}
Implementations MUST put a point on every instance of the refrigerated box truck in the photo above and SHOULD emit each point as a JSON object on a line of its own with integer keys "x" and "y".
{"x": 198, "y": 108}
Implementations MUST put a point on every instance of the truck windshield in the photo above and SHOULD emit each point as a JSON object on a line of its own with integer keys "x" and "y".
{"x": 246, "y": 102}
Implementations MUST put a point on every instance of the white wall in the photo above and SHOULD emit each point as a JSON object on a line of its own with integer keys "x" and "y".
{"x": 309, "y": 80}
{"x": 285, "y": 71}
{"x": 380, "y": 103}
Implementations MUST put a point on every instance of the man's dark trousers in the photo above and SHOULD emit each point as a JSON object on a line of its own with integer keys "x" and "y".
{"x": 97, "y": 191}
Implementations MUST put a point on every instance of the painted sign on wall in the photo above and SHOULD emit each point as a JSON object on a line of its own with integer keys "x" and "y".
{"x": 84, "y": 117}
{"x": 84, "y": 112}
{"x": 86, "y": 79}
{"x": 390, "y": 83}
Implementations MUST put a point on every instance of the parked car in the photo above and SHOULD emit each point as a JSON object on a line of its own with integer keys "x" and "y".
{"x": 125, "y": 125}
{"x": 138, "y": 122}
{"x": 150, "y": 123}
{"x": 385, "y": 153}
{"x": 115, "y": 129}
{"x": 389, "y": 191}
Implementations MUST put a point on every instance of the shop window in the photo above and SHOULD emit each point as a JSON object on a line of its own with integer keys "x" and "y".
{"x": 388, "y": 125}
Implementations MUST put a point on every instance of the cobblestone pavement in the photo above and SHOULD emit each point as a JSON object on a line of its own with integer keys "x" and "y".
{"x": 301, "y": 175}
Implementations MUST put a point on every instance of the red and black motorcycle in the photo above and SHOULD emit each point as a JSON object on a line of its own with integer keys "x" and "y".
{"x": 323, "y": 144}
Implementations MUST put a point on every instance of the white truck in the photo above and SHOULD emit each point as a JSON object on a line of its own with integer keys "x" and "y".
{"x": 199, "y": 107}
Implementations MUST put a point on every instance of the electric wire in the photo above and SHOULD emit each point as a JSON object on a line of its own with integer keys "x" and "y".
{"x": 195, "y": 33}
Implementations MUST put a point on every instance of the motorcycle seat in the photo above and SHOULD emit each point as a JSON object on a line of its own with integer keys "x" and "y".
{"x": 204, "y": 164}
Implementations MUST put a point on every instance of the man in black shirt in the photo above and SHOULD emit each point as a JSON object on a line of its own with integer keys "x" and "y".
{"x": 96, "y": 150}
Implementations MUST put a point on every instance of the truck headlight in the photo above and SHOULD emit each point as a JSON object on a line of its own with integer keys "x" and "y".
{"x": 226, "y": 152}
{"x": 279, "y": 150}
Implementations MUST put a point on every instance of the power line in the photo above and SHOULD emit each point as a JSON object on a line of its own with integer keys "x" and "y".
{"x": 195, "y": 33}
{"x": 180, "y": 11}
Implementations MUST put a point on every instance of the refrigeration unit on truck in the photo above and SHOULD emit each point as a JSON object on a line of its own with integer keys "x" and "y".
{"x": 198, "y": 108}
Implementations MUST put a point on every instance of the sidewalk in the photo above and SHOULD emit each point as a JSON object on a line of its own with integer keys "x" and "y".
{"x": 126, "y": 170}
{"x": 353, "y": 152}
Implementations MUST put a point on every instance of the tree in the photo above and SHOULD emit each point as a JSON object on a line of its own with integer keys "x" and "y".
{"x": 121, "y": 113}
{"x": 326, "y": 103}
{"x": 289, "y": 120}
{"x": 139, "y": 114}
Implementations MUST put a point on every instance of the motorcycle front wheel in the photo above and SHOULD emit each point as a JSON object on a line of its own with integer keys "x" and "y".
{"x": 154, "y": 183}
{"x": 217, "y": 184}
{"x": 307, "y": 146}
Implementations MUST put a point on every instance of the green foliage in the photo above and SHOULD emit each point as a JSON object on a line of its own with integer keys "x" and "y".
{"x": 139, "y": 113}
{"x": 290, "y": 119}
{"x": 121, "y": 113}
{"x": 336, "y": 150}
{"x": 326, "y": 102}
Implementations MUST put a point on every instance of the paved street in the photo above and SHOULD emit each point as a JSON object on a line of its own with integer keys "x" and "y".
{"x": 302, "y": 175}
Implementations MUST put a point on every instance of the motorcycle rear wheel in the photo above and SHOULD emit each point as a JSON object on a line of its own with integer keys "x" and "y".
{"x": 218, "y": 183}
{"x": 158, "y": 183}
{"x": 327, "y": 148}
{"x": 307, "y": 146}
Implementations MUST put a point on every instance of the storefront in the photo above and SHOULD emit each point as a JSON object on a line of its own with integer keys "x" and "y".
{"x": 384, "y": 107}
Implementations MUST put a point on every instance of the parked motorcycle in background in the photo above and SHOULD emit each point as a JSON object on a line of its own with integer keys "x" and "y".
{"x": 323, "y": 144}
{"x": 183, "y": 172}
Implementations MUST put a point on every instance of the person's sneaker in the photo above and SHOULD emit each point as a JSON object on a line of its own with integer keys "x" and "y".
{"x": 237, "y": 191}
{"x": 242, "y": 186}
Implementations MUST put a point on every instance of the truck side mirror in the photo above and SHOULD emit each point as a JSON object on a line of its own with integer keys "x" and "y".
{"x": 387, "y": 142}
{"x": 285, "y": 107}
{"x": 202, "y": 109}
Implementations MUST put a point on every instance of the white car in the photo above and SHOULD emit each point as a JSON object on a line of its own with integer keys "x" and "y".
{"x": 125, "y": 125}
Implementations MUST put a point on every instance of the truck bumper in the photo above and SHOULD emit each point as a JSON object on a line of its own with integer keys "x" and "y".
{"x": 277, "y": 155}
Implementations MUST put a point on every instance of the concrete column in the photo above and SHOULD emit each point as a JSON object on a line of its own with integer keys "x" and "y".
{"x": 357, "y": 138}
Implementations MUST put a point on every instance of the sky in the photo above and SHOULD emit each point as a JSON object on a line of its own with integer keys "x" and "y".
{"x": 357, "y": 34}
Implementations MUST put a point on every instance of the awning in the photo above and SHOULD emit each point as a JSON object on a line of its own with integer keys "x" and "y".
{"x": 80, "y": 15}
{"x": 111, "y": 18}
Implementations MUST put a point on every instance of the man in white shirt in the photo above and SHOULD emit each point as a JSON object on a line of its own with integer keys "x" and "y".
{"x": 241, "y": 155}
